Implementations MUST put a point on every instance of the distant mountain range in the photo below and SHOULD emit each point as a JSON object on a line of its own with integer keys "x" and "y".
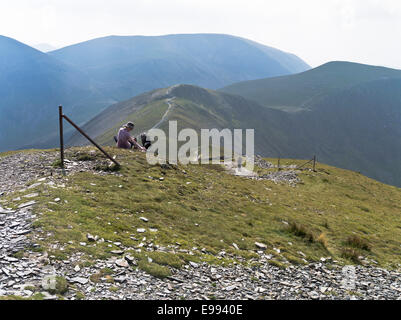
{"x": 348, "y": 114}
{"x": 126, "y": 66}
{"x": 87, "y": 77}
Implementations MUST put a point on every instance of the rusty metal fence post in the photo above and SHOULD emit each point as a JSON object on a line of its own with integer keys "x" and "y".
{"x": 61, "y": 116}
{"x": 60, "y": 113}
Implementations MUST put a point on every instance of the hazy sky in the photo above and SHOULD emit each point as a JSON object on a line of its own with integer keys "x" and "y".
{"x": 366, "y": 31}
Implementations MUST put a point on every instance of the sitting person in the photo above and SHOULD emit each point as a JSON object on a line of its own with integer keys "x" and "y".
{"x": 124, "y": 139}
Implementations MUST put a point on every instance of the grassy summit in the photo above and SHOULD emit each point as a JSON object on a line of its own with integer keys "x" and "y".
{"x": 332, "y": 212}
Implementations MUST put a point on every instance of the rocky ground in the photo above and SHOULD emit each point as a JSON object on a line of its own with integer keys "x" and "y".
{"x": 286, "y": 174}
{"x": 18, "y": 169}
{"x": 21, "y": 168}
{"x": 37, "y": 272}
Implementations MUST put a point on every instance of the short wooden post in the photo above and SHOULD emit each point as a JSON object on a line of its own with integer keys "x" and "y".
{"x": 60, "y": 112}
{"x": 314, "y": 163}
{"x": 278, "y": 164}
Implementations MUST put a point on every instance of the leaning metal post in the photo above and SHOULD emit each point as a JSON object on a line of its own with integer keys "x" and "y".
{"x": 61, "y": 115}
{"x": 93, "y": 142}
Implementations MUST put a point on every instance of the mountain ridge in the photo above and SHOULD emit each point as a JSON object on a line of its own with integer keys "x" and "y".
{"x": 33, "y": 84}
{"x": 298, "y": 90}
{"x": 207, "y": 60}
{"x": 346, "y": 127}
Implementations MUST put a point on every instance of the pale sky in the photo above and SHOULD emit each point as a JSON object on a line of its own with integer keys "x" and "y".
{"x": 318, "y": 31}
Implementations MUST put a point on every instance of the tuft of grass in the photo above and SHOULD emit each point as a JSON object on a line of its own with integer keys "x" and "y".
{"x": 85, "y": 157}
{"x": 294, "y": 260}
{"x": 301, "y": 231}
{"x": 96, "y": 277}
{"x": 322, "y": 239}
{"x": 56, "y": 163}
{"x": 166, "y": 259}
{"x": 277, "y": 264}
{"x": 154, "y": 269}
{"x": 114, "y": 289}
{"x": 79, "y": 295}
{"x": 363, "y": 208}
{"x": 58, "y": 255}
{"x": 30, "y": 288}
{"x": 107, "y": 167}
{"x": 351, "y": 254}
{"x": 103, "y": 273}
{"x": 19, "y": 254}
{"x": 357, "y": 242}
{"x": 61, "y": 286}
{"x": 107, "y": 271}
{"x": 37, "y": 296}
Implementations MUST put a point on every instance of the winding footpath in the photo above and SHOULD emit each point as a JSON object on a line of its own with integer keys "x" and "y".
{"x": 170, "y": 106}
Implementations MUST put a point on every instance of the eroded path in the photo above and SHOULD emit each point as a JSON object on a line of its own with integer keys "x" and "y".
{"x": 170, "y": 106}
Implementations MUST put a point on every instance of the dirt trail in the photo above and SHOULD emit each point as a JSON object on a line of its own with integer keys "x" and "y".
{"x": 170, "y": 106}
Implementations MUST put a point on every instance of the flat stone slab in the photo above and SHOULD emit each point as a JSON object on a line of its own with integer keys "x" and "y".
{"x": 31, "y": 195}
{"x": 80, "y": 280}
{"x": 4, "y": 211}
{"x": 27, "y": 204}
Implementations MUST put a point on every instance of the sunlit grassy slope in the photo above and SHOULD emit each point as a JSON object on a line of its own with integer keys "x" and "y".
{"x": 333, "y": 212}
{"x": 357, "y": 128}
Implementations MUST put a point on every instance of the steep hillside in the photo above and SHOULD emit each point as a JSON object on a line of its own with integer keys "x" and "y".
{"x": 126, "y": 66}
{"x": 193, "y": 107}
{"x": 32, "y": 85}
{"x": 349, "y": 113}
{"x": 303, "y": 90}
{"x": 355, "y": 128}
{"x": 359, "y": 128}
